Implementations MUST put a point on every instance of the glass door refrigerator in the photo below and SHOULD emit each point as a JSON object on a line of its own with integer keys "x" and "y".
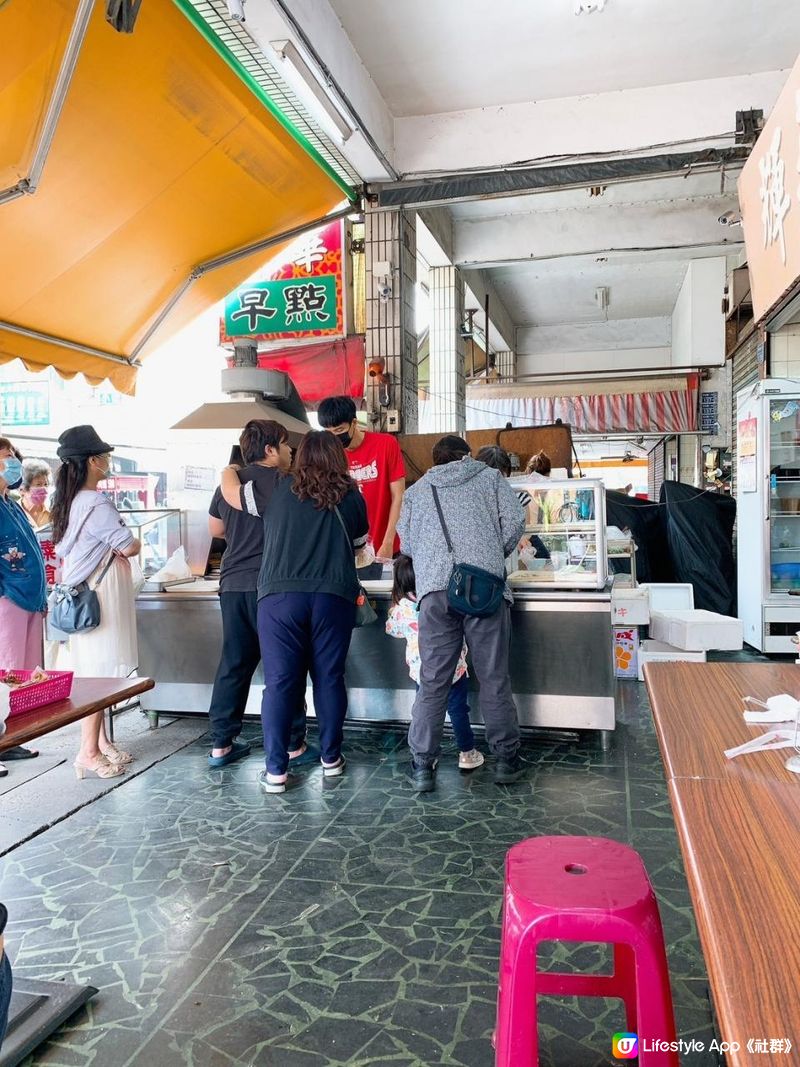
{"x": 768, "y": 513}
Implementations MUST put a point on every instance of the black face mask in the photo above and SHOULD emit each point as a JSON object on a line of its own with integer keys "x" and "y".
{"x": 344, "y": 439}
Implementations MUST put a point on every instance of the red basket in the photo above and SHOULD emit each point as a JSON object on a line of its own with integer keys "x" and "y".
{"x": 57, "y": 687}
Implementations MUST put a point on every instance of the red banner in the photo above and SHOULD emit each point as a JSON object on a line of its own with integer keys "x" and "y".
{"x": 333, "y": 368}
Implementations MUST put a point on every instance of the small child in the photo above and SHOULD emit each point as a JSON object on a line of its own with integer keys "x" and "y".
{"x": 403, "y": 622}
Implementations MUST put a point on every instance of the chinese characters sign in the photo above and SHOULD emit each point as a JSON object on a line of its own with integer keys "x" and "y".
{"x": 769, "y": 198}
{"x": 302, "y": 297}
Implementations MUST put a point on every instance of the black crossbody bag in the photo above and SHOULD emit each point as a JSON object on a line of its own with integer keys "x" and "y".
{"x": 470, "y": 590}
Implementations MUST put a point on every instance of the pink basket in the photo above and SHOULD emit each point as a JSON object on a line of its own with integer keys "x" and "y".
{"x": 57, "y": 687}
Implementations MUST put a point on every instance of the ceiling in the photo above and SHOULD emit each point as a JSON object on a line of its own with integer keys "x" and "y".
{"x": 434, "y": 56}
{"x": 559, "y": 291}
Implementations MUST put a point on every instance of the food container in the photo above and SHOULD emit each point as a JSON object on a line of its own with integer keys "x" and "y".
{"x": 57, "y": 687}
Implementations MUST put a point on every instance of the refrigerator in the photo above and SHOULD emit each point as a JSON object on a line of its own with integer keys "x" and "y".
{"x": 768, "y": 513}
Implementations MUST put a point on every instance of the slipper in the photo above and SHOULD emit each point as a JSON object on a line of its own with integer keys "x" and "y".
{"x": 308, "y": 755}
{"x": 239, "y": 749}
{"x": 3, "y": 771}
{"x": 18, "y": 752}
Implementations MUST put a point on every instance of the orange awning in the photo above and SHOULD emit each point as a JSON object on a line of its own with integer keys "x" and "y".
{"x": 163, "y": 160}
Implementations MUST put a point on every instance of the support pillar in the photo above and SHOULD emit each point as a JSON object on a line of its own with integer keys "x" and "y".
{"x": 447, "y": 390}
{"x": 391, "y": 264}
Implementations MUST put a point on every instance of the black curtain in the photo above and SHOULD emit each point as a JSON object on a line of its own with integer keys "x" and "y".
{"x": 645, "y": 520}
{"x": 699, "y": 532}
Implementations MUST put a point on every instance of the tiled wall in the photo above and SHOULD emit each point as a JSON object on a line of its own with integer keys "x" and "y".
{"x": 447, "y": 390}
{"x": 391, "y": 237}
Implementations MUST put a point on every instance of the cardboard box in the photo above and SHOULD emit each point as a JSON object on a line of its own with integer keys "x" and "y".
{"x": 658, "y": 651}
{"x": 629, "y": 607}
{"x": 697, "y": 631}
{"x": 626, "y": 651}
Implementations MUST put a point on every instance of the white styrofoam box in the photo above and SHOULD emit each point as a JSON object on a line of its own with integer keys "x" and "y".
{"x": 659, "y": 652}
{"x": 629, "y": 607}
{"x": 697, "y": 631}
{"x": 669, "y": 596}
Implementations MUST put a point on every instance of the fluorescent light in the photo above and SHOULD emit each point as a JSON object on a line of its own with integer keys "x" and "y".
{"x": 289, "y": 54}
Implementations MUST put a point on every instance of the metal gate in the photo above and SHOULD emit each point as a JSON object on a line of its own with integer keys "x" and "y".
{"x": 655, "y": 469}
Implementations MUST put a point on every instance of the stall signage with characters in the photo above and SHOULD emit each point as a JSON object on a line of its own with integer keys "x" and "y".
{"x": 769, "y": 198}
{"x": 301, "y": 297}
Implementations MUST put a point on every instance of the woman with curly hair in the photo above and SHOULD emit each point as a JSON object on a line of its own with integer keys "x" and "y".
{"x": 314, "y": 522}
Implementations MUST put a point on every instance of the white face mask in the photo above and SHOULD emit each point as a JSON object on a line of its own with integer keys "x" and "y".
{"x": 104, "y": 473}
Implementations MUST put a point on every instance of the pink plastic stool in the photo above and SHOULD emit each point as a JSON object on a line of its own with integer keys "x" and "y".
{"x": 581, "y": 889}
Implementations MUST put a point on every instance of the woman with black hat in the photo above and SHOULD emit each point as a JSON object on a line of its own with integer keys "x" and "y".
{"x": 89, "y": 533}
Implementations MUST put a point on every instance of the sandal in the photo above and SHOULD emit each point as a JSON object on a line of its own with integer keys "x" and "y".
{"x": 99, "y": 766}
{"x": 117, "y": 756}
{"x": 18, "y": 752}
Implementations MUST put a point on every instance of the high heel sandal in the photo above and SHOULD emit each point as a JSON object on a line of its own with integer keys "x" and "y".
{"x": 99, "y": 766}
{"x": 117, "y": 756}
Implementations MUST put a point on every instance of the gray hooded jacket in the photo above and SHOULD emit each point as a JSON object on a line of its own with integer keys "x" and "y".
{"x": 483, "y": 515}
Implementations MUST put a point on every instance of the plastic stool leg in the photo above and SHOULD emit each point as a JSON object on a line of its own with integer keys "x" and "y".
{"x": 654, "y": 1003}
{"x": 516, "y": 1036}
{"x": 625, "y": 982}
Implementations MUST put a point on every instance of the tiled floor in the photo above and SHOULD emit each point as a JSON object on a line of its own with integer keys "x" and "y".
{"x": 345, "y": 923}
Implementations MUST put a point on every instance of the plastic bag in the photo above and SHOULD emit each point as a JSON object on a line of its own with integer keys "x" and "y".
{"x": 176, "y": 568}
{"x": 137, "y": 576}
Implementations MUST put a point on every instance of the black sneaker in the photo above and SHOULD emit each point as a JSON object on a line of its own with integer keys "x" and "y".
{"x": 508, "y": 771}
{"x": 422, "y": 779}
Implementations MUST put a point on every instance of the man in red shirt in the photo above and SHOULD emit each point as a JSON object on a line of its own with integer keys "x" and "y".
{"x": 376, "y": 463}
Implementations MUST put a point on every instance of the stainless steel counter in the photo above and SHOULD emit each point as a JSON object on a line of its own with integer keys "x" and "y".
{"x": 561, "y": 658}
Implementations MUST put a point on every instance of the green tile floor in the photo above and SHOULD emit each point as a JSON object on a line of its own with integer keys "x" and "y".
{"x": 347, "y": 922}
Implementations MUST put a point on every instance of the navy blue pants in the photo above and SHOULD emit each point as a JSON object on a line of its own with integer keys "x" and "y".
{"x": 241, "y": 655}
{"x": 300, "y": 634}
{"x": 458, "y": 713}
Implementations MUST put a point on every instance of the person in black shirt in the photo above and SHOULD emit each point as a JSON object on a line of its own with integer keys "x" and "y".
{"x": 314, "y": 522}
{"x": 265, "y": 450}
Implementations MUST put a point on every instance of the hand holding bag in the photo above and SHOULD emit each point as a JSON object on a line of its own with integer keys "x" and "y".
{"x": 470, "y": 590}
{"x": 365, "y": 613}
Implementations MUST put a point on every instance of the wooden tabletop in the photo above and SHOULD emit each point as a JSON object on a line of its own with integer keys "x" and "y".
{"x": 738, "y": 823}
{"x": 88, "y": 696}
{"x": 698, "y": 713}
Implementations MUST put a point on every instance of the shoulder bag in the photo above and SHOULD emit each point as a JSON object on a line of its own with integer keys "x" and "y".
{"x": 365, "y": 613}
{"x": 76, "y": 609}
{"x": 470, "y": 590}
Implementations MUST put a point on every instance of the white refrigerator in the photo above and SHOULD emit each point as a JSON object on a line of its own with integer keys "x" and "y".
{"x": 768, "y": 512}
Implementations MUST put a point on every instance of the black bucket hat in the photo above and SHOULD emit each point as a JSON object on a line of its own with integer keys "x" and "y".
{"x": 79, "y": 442}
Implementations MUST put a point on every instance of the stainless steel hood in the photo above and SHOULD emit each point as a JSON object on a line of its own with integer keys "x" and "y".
{"x": 255, "y": 394}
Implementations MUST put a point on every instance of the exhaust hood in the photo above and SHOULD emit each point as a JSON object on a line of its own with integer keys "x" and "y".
{"x": 254, "y": 394}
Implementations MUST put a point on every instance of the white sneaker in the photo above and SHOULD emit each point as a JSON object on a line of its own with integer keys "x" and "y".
{"x": 470, "y": 761}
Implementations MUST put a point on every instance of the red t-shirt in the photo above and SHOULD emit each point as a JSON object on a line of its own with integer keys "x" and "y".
{"x": 375, "y": 464}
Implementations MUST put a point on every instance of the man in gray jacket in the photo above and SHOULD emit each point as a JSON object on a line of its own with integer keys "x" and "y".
{"x": 485, "y": 521}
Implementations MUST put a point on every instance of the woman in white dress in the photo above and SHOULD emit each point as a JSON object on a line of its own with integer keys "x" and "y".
{"x": 89, "y": 534}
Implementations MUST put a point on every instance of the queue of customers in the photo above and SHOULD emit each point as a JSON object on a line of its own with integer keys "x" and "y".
{"x": 301, "y": 534}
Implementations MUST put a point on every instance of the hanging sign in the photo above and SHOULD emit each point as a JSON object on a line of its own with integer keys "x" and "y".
{"x": 301, "y": 297}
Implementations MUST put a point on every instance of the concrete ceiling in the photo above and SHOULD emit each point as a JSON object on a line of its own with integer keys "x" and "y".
{"x": 432, "y": 56}
{"x": 560, "y": 291}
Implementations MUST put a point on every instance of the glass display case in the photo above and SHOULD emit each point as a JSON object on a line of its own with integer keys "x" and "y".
{"x": 159, "y": 530}
{"x": 564, "y": 543}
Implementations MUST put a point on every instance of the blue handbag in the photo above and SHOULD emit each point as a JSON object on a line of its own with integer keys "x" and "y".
{"x": 470, "y": 590}
{"x": 76, "y": 609}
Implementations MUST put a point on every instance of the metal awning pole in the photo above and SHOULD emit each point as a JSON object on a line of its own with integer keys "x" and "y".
{"x": 76, "y": 346}
{"x": 69, "y": 60}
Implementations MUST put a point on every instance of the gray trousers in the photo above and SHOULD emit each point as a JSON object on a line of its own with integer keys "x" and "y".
{"x": 441, "y": 636}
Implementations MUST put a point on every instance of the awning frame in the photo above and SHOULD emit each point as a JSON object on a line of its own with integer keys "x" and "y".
{"x": 27, "y": 186}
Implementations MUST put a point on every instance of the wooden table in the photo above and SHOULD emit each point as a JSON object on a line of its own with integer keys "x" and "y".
{"x": 738, "y": 822}
{"x": 88, "y": 696}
